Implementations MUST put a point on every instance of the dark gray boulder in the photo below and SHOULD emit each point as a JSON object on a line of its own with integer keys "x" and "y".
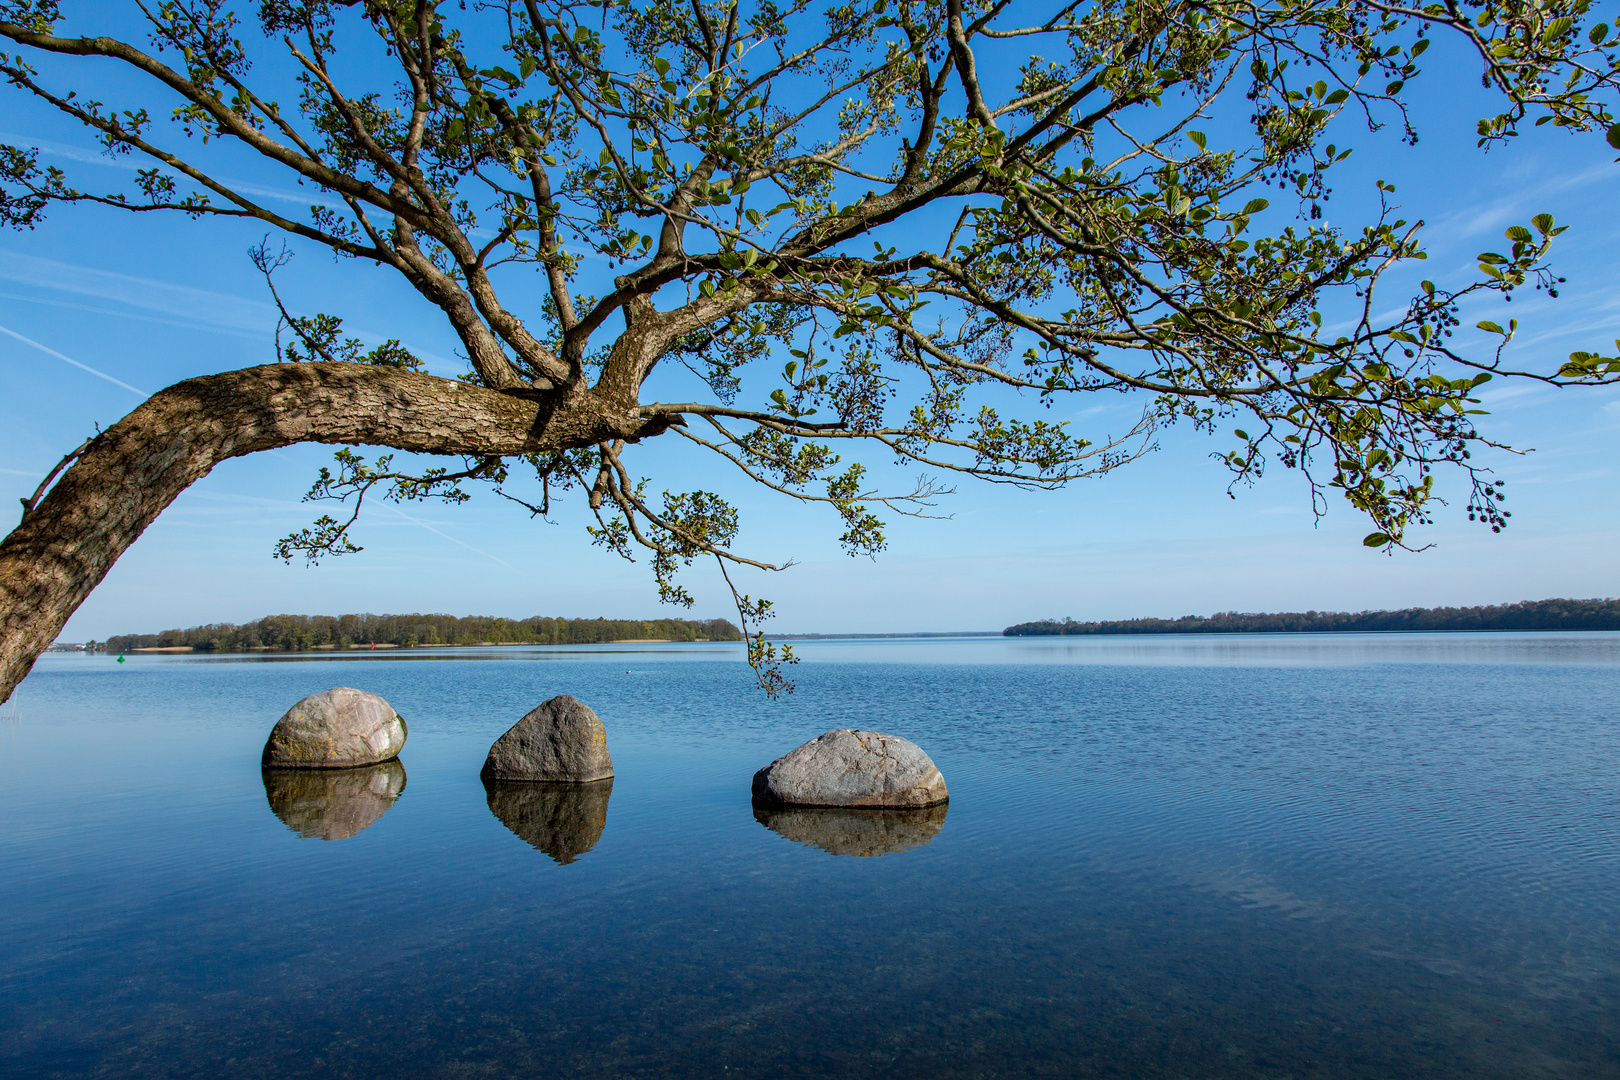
{"x": 335, "y": 729}
{"x": 852, "y": 831}
{"x": 561, "y": 740}
{"x": 848, "y": 767}
{"x": 562, "y": 820}
{"x": 333, "y": 804}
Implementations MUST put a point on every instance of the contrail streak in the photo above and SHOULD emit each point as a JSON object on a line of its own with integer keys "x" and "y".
{"x": 75, "y": 363}
{"x": 453, "y": 540}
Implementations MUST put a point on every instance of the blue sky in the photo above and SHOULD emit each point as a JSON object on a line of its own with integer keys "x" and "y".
{"x": 148, "y": 301}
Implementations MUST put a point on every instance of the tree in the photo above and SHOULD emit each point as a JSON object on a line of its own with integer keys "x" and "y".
{"x": 936, "y": 217}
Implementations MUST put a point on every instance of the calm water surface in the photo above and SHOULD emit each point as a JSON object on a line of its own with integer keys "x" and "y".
{"x": 1368, "y": 856}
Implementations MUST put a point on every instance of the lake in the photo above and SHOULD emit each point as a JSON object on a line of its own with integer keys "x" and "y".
{"x": 1236, "y": 856}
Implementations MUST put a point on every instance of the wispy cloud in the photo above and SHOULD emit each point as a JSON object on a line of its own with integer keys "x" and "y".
{"x": 1500, "y": 393}
{"x": 130, "y": 163}
{"x": 69, "y": 360}
{"x": 124, "y": 313}
{"x": 195, "y": 307}
{"x": 1487, "y": 217}
{"x": 166, "y": 303}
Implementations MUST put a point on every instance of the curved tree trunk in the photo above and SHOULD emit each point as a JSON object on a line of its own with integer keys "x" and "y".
{"x": 127, "y": 475}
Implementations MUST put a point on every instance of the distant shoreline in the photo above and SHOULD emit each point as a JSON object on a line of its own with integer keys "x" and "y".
{"x": 359, "y": 633}
{"x": 306, "y": 633}
{"x": 1527, "y": 615}
{"x": 74, "y": 647}
{"x": 391, "y": 645}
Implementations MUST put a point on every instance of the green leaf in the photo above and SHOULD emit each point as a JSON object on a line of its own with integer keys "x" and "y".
{"x": 1376, "y": 539}
{"x": 1337, "y": 96}
{"x": 1543, "y": 223}
{"x": 1489, "y": 327}
{"x": 1197, "y": 138}
{"x": 1614, "y": 136}
{"x": 1518, "y": 232}
{"x": 1240, "y": 433}
{"x": 1254, "y": 206}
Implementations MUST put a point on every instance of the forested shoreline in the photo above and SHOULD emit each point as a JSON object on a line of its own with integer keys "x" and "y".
{"x": 296, "y": 633}
{"x": 1602, "y": 614}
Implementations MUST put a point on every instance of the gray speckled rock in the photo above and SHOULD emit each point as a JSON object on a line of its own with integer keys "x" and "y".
{"x": 847, "y": 767}
{"x": 335, "y": 729}
{"x": 863, "y": 832}
{"x": 562, "y": 820}
{"x": 333, "y": 804}
{"x": 562, "y": 739}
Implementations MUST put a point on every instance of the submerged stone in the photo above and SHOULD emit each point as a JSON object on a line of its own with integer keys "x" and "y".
{"x": 333, "y": 804}
{"x": 561, "y": 740}
{"x": 848, "y": 767}
{"x": 561, "y": 819}
{"x": 335, "y": 729}
{"x": 854, "y": 831}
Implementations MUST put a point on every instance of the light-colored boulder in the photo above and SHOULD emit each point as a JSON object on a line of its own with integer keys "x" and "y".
{"x": 863, "y": 832}
{"x": 562, "y": 820}
{"x": 333, "y": 804}
{"x": 561, "y": 740}
{"x": 335, "y": 729}
{"x": 847, "y": 767}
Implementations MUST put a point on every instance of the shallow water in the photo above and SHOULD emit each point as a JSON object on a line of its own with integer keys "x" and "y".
{"x": 1289, "y": 856}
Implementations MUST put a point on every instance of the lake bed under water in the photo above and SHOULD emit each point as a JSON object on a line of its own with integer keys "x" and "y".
{"x": 1192, "y": 856}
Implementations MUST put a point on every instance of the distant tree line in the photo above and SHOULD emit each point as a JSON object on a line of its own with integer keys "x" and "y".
{"x": 295, "y": 633}
{"x": 1527, "y": 615}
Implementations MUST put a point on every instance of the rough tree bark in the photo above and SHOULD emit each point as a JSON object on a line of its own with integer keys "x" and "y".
{"x": 66, "y": 544}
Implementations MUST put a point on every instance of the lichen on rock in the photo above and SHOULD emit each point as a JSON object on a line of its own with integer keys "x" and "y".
{"x": 850, "y": 767}
{"x": 559, "y": 740}
{"x": 341, "y": 728}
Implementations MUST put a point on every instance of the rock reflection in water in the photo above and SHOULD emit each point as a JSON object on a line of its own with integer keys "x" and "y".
{"x": 850, "y": 831}
{"x": 333, "y": 804}
{"x": 562, "y": 820}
